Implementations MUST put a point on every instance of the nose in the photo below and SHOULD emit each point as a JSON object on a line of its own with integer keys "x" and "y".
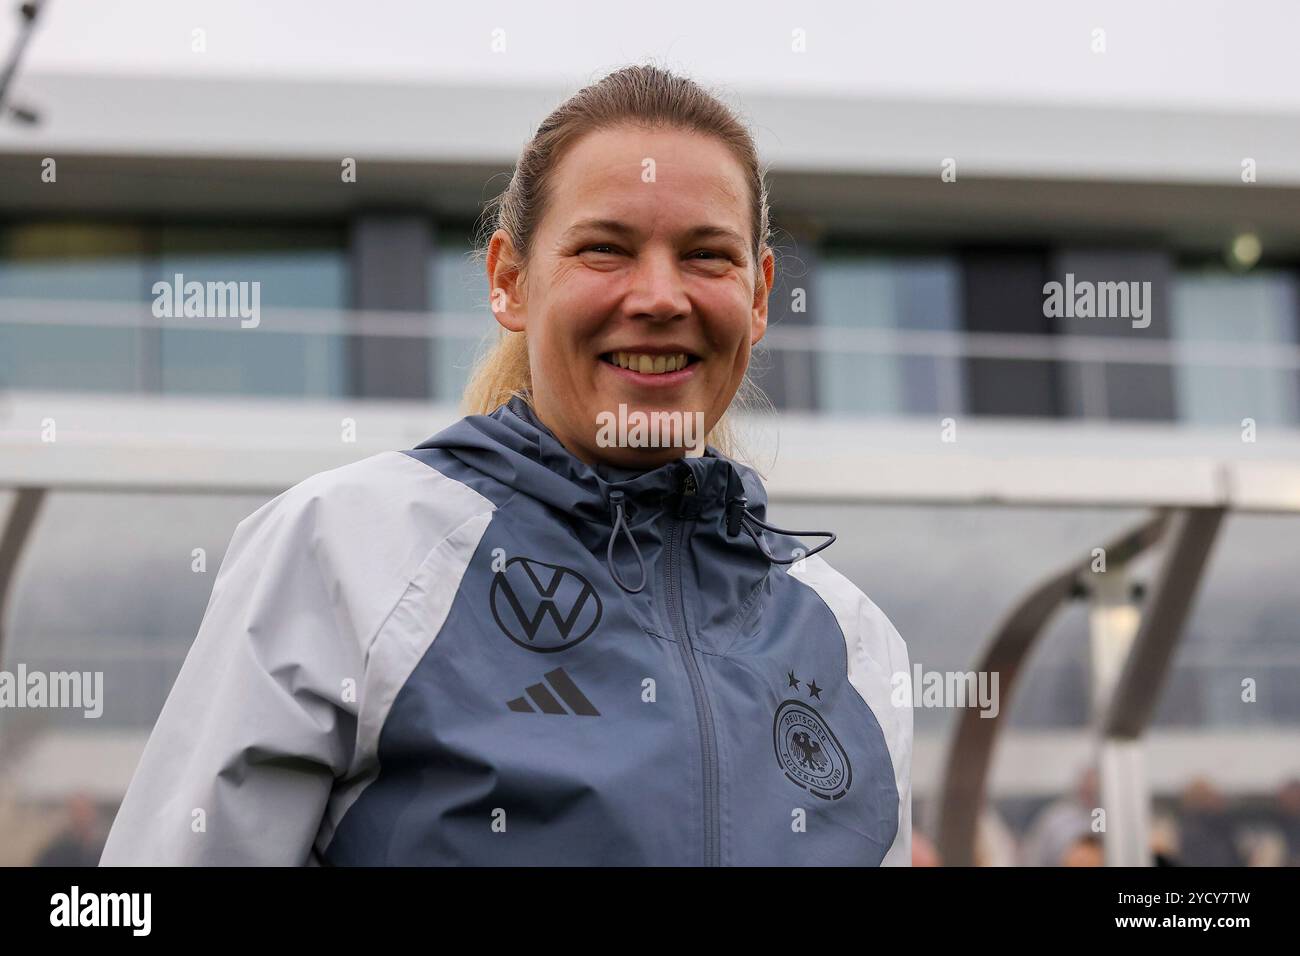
{"x": 658, "y": 292}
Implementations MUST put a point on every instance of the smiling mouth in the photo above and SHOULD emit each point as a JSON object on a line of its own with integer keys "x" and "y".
{"x": 648, "y": 364}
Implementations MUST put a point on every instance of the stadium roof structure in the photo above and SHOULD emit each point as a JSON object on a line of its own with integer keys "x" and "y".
{"x": 1061, "y": 171}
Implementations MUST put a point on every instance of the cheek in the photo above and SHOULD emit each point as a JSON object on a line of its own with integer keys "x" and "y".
{"x": 731, "y": 339}
{"x": 576, "y": 315}
{"x": 563, "y": 359}
{"x": 547, "y": 356}
{"x": 583, "y": 290}
{"x": 729, "y": 307}
{"x": 557, "y": 329}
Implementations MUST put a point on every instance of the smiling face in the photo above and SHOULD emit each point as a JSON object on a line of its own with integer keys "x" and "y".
{"x": 637, "y": 293}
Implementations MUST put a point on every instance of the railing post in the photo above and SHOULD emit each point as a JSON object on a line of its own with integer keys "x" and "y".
{"x": 13, "y": 536}
{"x": 1113, "y": 622}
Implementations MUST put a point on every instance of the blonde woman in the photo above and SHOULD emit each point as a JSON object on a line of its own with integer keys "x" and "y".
{"x": 540, "y": 637}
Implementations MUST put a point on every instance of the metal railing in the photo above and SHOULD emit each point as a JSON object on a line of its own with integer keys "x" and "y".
{"x": 463, "y": 333}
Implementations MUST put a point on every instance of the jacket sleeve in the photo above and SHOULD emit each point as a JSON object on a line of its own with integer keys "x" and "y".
{"x": 900, "y": 854}
{"x": 261, "y": 719}
{"x": 877, "y": 659}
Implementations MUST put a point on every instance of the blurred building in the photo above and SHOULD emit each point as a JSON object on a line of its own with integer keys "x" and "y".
{"x": 924, "y": 301}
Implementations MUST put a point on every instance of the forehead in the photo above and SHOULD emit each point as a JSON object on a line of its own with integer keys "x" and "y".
{"x": 696, "y": 176}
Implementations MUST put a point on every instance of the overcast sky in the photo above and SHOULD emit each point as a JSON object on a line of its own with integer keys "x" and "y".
{"x": 1227, "y": 54}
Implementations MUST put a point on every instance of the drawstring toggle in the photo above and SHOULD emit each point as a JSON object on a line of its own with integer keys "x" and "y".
{"x": 619, "y": 517}
{"x": 739, "y": 517}
{"x": 735, "y": 512}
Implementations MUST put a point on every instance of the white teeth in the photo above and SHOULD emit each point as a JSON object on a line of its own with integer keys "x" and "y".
{"x": 649, "y": 364}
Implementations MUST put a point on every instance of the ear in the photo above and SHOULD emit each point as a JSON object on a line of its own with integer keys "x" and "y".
{"x": 505, "y": 279}
{"x": 758, "y": 321}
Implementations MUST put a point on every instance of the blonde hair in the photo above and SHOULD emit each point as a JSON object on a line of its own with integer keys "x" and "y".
{"x": 636, "y": 95}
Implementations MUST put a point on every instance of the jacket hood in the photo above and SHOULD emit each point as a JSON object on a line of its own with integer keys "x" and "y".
{"x": 512, "y": 446}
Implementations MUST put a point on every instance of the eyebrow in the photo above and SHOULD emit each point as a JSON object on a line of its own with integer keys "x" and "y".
{"x": 623, "y": 229}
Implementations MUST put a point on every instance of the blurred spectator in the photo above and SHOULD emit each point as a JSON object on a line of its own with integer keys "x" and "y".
{"x": 1206, "y": 836}
{"x": 924, "y": 852}
{"x": 1164, "y": 840}
{"x": 1275, "y": 840}
{"x": 82, "y": 839}
{"x": 1288, "y": 809}
{"x": 1061, "y": 824}
{"x": 1087, "y": 850}
{"x": 1263, "y": 847}
{"x": 995, "y": 845}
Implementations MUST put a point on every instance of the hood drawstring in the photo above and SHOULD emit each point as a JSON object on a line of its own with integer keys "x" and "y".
{"x": 738, "y": 517}
{"x": 620, "y": 518}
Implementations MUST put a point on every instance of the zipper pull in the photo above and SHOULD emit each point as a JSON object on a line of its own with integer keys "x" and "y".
{"x": 690, "y": 502}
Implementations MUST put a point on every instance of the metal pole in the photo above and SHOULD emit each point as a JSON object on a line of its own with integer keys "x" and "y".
{"x": 1133, "y": 655}
{"x": 29, "y": 12}
{"x": 13, "y": 536}
{"x": 1191, "y": 537}
{"x": 961, "y": 789}
{"x": 1113, "y": 623}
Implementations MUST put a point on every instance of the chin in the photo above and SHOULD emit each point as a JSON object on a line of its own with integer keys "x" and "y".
{"x": 632, "y": 433}
{"x": 638, "y": 458}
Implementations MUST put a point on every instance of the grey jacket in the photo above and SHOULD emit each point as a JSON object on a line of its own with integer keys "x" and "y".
{"x": 483, "y": 651}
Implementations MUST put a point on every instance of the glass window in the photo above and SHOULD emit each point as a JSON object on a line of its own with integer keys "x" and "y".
{"x": 64, "y": 260}
{"x": 46, "y": 269}
{"x": 51, "y": 341}
{"x": 905, "y": 293}
{"x": 458, "y": 291}
{"x": 1259, "y": 308}
{"x": 299, "y": 270}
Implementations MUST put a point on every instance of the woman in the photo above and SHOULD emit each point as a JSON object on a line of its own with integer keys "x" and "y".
{"x": 538, "y": 638}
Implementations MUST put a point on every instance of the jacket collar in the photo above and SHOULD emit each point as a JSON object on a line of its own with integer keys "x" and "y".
{"x": 514, "y": 447}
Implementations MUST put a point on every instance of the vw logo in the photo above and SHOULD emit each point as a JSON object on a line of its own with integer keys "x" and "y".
{"x": 543, "y": 607}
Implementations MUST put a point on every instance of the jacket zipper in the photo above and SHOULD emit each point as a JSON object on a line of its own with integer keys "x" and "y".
{"x": 703, "y": 713}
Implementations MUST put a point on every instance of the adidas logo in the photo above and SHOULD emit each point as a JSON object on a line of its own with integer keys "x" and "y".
{"x": 545, "y": 701}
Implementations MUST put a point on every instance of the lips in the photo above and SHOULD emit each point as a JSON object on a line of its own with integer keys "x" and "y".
{"x": 653, "y": 368}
